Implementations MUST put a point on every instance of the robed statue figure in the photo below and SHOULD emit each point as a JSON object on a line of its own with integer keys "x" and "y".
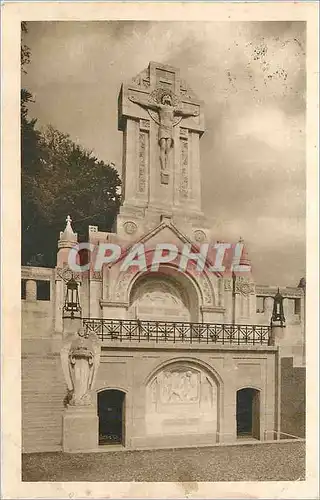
{"x": 80, "y": 357}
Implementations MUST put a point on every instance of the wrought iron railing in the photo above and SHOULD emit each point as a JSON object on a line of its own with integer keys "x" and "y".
{"x": 124, "y": 330}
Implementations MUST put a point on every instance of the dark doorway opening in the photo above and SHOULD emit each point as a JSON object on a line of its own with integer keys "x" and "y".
{"x": 248, "y": 413}
{"x": 111, "y": 416}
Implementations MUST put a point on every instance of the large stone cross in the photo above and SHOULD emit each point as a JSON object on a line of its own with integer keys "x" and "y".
{"x": 162, "y": 121}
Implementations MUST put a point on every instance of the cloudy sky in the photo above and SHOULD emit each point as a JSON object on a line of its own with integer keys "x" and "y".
{"x": 251, "y": 77}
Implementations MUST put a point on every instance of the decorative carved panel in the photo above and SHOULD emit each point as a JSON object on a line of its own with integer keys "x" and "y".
{"x": 184, "y": 168}
{"x": 122, "y": 286}
{"x": 181, "y": 399}
{"x": 244, "y": 286}
{"x": 206, "y": 291}
{"x": 143, "y": 159}
{"x": 160, "y": 300}
{"x": 228, "y": 285}
{"x": 142, "y": 79}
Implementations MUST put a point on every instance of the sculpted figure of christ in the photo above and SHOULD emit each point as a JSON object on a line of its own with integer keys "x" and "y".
{"x": 166, "y": 113}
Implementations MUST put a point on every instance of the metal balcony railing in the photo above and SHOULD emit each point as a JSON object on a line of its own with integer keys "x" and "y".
{"x": 124, "y": 330}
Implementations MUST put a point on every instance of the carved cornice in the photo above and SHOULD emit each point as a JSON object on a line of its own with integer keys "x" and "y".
{"x": 288, "y": 293}
{"x": 108, "y": 303}
{"x": 213, "y": 309}
{"x": 37, "y": 273}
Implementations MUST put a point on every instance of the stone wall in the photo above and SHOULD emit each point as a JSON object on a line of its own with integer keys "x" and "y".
{"x": 293, "y": 380}
{"x": 226, "y": 371}
{"x": 205, "y": 411}
{"x": 43, "y": 391}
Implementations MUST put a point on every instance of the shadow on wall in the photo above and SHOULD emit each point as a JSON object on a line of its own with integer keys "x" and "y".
{"x": 293, "y": 396}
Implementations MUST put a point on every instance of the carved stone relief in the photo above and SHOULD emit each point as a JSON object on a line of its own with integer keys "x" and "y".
{"x": 142, "y": 79}
{"x": 228, "y": 285}
{"x": 65, "y": 273}
{"x": 179, "y": 386}
{"x": 181, "y": 399}
{"x": 244, "y": 286}
{"x": 186, "y": 91}
{"x": 207, "y": 293}
{"x": 96, "y": 275}
{"x": 122, "y": 285}
{"x": 159, "y": 300}
{"x": 184, "y": 167}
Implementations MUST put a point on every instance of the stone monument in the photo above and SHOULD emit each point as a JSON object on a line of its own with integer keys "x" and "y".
{"x": 80, "y": 358}
{"x": 162, "y": 122}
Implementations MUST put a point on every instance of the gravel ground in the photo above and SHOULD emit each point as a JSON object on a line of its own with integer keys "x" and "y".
{"x": 263, "y": 462}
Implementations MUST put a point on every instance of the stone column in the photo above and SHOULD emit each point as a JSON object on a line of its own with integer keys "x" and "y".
{"x": 31, "y": 290}
{"x": 58, "y": 306}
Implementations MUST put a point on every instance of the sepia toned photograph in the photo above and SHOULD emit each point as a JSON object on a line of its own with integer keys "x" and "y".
{"x": 163, "y": 279}
{"x": 159, "y": 243}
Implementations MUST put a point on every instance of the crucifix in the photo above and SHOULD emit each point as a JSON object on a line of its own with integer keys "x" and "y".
{"x": 168, "y": 115}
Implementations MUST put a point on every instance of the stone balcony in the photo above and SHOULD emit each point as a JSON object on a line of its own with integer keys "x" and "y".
{"x": 152, "y": 334}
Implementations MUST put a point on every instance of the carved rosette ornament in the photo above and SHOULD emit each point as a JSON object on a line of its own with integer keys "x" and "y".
{"x": 200, "y": 236}
{"x": 80, "y": 358}
{"x": 65, "y": 273}
{"x": 130, "y": 227}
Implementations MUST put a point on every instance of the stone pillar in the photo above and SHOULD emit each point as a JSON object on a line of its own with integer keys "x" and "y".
{"x": 277, "y": 333}
{"x": 58, "y": 323}
{"x": 228, "y": 424}
{"x": 71, "y": 325}
{"x": 31, "y": 290}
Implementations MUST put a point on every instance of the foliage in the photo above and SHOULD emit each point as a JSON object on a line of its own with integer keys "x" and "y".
{"x": 59, "y": 178}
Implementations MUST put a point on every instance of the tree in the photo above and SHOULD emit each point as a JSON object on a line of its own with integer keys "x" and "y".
{"x": 59, "y": 178}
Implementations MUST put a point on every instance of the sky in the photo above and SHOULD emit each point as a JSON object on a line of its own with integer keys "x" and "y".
{"x": 251, "y": 77}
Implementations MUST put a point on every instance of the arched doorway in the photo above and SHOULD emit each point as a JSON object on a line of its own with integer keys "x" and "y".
{"x": 111, "y": 413}
{"x": 248, "y": 413}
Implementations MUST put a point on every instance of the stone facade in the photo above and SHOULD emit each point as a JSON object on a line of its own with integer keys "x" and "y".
{"x": 172, "y": 351}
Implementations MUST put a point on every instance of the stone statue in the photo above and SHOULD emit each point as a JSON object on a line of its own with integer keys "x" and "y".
{"x": 80, "y": 358}
{"x": 167, "y": 112}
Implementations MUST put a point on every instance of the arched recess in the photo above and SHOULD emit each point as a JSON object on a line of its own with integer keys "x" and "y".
{"x": 176, "y": 296}
{"x": 183, "y": 396}
{"x": 206, "y": 288}
{"x": 248, "y": 411}
{"x": 111, "y": 405}
{"x": 163, "y": 297}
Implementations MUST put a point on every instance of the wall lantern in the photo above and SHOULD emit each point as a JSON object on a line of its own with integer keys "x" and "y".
{"x": 72, "y": 308}
{"x": 277, "y": 313}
